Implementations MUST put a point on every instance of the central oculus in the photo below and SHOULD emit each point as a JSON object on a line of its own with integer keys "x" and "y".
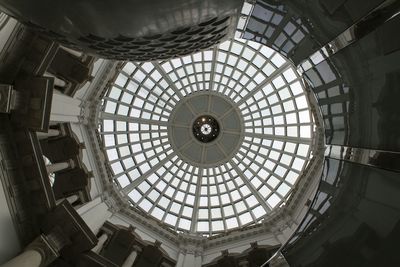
{"x": 206, "y": 128}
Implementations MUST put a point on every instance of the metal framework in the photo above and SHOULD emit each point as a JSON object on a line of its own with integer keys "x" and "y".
{"x": 276, "y": 140}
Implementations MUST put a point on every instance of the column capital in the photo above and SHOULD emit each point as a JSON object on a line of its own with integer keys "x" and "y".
{"x": 157, "y": 244}
{"x": 72, "y": 163}
{"x": 112, "y": 204}
{"x": 136, "y": 248}
{"x": 47, "y": 249}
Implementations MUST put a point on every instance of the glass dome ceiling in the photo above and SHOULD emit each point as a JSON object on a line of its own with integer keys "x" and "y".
{"x": 264, "y": 143}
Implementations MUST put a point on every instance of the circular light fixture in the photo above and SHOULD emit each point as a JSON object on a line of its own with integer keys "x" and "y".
{"x": 205, "y": 128}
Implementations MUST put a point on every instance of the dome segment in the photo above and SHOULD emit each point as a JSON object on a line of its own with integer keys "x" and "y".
{"x": 265, "y": 127}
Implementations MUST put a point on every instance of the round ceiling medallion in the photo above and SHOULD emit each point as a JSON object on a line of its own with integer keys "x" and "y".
{"x": 205, "y": 129}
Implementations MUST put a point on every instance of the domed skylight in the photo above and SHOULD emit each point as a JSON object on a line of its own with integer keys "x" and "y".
{"x": 253, "y": 98}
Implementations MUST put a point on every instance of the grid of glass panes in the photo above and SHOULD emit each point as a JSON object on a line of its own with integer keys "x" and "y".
{"x": 279, "y": 108}
{"x": 273, "y": 25}
{"x": 190, "y": 73}
{"x": 241, "y": 66}
{"x": 240, "y": 192}
{"x": 169, "y": 194}
{"x": 272, "y": 166}
{"x": 225, "y": 201}
{"x": 332, "y": 94}
{"x": 331, "y": 176}
{"x": 140, "y": 91}
{"x": 234, "y": 68}
{"x": 243, "y": 19}
{"x": 133, "y": 149}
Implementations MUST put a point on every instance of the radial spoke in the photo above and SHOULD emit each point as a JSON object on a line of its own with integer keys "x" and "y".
{"x": 229, "y": 111}
{"x": 173, "y": 86}
{"x": 298, "y": 140}
{"x": 268, "y": 80}
{"x": 155, "y": 184}
{"x": 232, "y": 132}
{"x": 115, "y": 117}
{"x": 209, "y": 103}
{"x": 178, "y": 125}
{"x": 186, "y": 145}
{"x": 132, "y": 143}
{"x": 253, "y": 190}
{"x": 203, "y": 153}
{"x": 196, "y": 201}
{"x": 191, "y": 108}
{"x": 215, "y": 56}
{"x": 222, "y": 150}
{"x": 135, "y": 183}
{"x": 168, "y": 79}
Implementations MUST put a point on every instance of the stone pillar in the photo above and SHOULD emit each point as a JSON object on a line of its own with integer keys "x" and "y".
{"x": 65, "y": 109}
{"x": 60, "y": 83}
{"x": 50, "y": 133}
{"x": 72, "y": 199}
{"x": 198, "y": 260}
{"x": 57, "y": 81}
{"x": 102, "y": 239}
{"x": 40, "y": 253}
{"x": 73, "y": 52}
{"x": 132, "y": 257}
{"x": 189, "y": 260}
{"x": 181, "y": 258}
{"x": 55, "y": 167}
{"x": 29, "y": 258}
{"x": 189, "y": 255}
{"x": 95, "y": 213}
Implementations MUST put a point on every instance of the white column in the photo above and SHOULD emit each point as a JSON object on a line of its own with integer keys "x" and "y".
{"x": 29, "y": 258}
{"x": 60, "y": 83}
{"x": 72, "y": 199}
{"x": 95, "y": 213}
{"x": 5, "y": 34}
{"x": 55, "y": 167}
{"x": 73, "y": 52}
{"x": 181, "y": 258}
{"x": 57, "y": 81}
{"x": 189, "y": 260}
{"x": 9, "y": 242}
{"x": 130, "y": 260}
{"x": 198, "y": 261}
{"x": 102, "y": 239}
{"x": 65, "y": 108}
{"x": 50, "y": 133}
